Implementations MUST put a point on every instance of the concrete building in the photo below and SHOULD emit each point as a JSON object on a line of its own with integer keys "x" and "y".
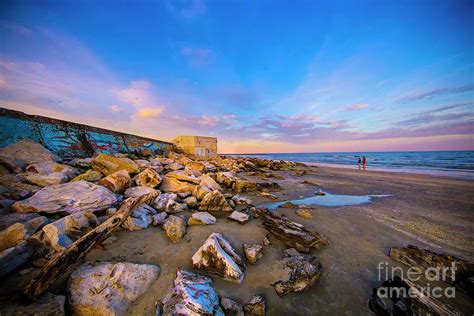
{"x": 197, "y": 145}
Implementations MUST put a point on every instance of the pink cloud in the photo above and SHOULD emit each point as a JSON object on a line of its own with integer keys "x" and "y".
{"x": 356, "y": 107}
{"x": 209, "y": 120}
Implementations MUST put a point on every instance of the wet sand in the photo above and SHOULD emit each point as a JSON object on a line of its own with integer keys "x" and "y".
{"x": 430, "y": 212}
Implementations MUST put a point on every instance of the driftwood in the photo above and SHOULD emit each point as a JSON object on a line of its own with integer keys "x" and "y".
{"x": 65, "y": 259}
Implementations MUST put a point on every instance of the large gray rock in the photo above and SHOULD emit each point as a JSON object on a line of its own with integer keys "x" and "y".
{"x": 217, "y": 256}
{"x": 49, "y": 167}
{"x": 117, "y": 182}
{"x": 43, "y": 180}
{"x": 46, "y": 305}
{"x": 231, "y": 307}
{"x": 184, "y": 176}
{"x": 175, "y": 228}
{"x": 69, "y": 197}
{"x": 138, "y": 191}
{"x": 13, "y": 257}
{"x": 148, "y": 178}
{"x": 239, "y": 217}
{"x": 107, "y": 164}
{"x": 252, "y": 252}
{"x": 192, "y": 295}
{"x": 24, "y": 152}
{"x": 141, "y": 218}
{"x": 201, "y": 218}
{"x": 14, "y": 187}
{"x": 15, "y": 233}
{"x": 167, "y": 202}
{"x": 214, "y": 201}
{"x": 108, "y": 288}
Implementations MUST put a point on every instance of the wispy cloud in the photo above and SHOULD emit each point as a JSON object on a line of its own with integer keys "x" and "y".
{"x": 416, "y": 96}
{"x": 196, "y": 56}
{"x": 356, "y": 107}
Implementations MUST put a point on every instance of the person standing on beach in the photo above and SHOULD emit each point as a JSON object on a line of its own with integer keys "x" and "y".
{"x": 364, "y": 161}
{"x": 359, "y": 163}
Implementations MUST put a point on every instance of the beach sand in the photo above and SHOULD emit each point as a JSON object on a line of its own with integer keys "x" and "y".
{"x": 430, "y": 212}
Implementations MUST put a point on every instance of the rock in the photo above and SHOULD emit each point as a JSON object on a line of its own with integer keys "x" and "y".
{"x": 49, "y": 167}
{"x": 196, "y": 165}
{"x": 191, "y": 201}
{"x": 83, "y": 163}
{"x": 192, "y": 294}
{"x": 289, "y": 205}
{"x": 138, "y": 191}
{"x": 201, "y": 218}
{"x": 117, "y": 182}
{"x": 298, "y": 173}
{"x": 14, "y": 257}
{"x": 424, "y": 259}
{"x": 108, "y": 288}
{"x": 319, "y": 192}
{"x": 108, "y": 164}
{"x": 252, "y": 252}
{"x": 143, "y": 164}
{"x": 12, "y": 187}
{"x": 269, "y": 195}
{"x": 13, "y": 218}
{"x": 159, "y": 219}
{"x": 175, "y": 186}
{"x": 310, "y": 182}
{"x": 214, "y": 201}
{"x": 255, "y": 306}
{"x": 24, "y": 152}
{"x": 43, "y": 180}
{"x": 304, "y": 213}
{"x": 291, "y": 233}
{"x": 231, "y": 307}
{"x": 167, "y": 202}
{"x": 90, "y": 175}
{"x": 162, "y": 161}
{"x": 46, "y": 305}
{"x": 242, "y": 186}
{"x": 239, "y": 217}
{"x": 302, "y": 272}
{"x": 226, "y": 178}
{"x": 61, "y": 233}
{"x": 182, "y": 175}
{"x": 183, "y": 195}
{"x": 174, "y": 166}
{"x": 207, "y": 181}
{"x": 16, "y": 233}
{"x": 71, "y": 197}
{"x": 140, "y": 218}
{"x": 200, "y": 191}
{"x": 216, "y": 256}
{"x": 175, "y": 228}
{"x": 111, "y": 211}
{"x": 266, "y": 240}
{"x": 148, "y": 178}
{"x": 239, "y": 200}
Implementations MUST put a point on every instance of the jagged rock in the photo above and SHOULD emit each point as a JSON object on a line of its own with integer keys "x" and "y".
{"x": 231, "y": 307}
{"x": 159, "y": 219}
{"x": 217, "y": 256}
{"x": 298, "y": 173}
{"x": 291, "y": 233}
{"x": 71, "y": 197}
{"x": 200, "y": 191}
{"x": 255, "y": 306}
{"x": 174, "y": 166}
{"x": 61, "y": 233}
{"x": 43, "y": 180}
{"x": 183, "y": 195}
{"x": 108, "y": 288}
{"x": 311, "y": 182}
{"x": 81, "y": 162}
{"x": 319, "y": 192}
{"x": 269, "y": 195}
{"x": 226, "y": 178}
{"x": 175, "y": 228}
{"x": 12, "y": 187}
{"x": 141, "y": 218}
{"x": 214, "y": 201}
{"x": 108, "y": 164}
{"x": 138, "y": 191}
{"x": 252, "y": 252}
{"x": 90, "y": 175}
{"x": 175, "y": 186}
{"x": 207, "y": 181}
{"x": 117, "y": 182}
{"x": 163, "y": 161}
{"x": 46, "y": 305}
{"x": 239, "y": 217}
{"x": 12, "y": 218}
{"x": 148, "y": 178}
{"x": 201, "y": 218}
{"x": 167, "y": 202}
{"x": 239, "y": 200}
{"x": 289, "y": 205}
{"x": 302, "y": 272}
{"x": 190, "y": 201}
{"x": 15, "y": 233}
{"x": 143, "y": 164}
{"x": 424, "y": 259}
{"x": 49, "y": 167}
{"x": 192, "y": 295}
{"x": 304, "y": 213}
{"x": 266, "y": 240}
{"x": 182, "y": 175}
{"x": 242, "y": 186}
{"x": 14, "y": 257}
{"x": 196, "y": 165}
{"x": 24, "y": 152}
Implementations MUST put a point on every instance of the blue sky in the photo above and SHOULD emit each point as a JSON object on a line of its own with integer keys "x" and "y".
{"x": 262, "y": 76}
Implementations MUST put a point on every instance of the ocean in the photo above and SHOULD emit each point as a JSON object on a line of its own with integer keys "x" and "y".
{"x": 458, "y": 164}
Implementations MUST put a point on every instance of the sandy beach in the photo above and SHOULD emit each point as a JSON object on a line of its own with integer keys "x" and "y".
{"x": 430, "y": 212}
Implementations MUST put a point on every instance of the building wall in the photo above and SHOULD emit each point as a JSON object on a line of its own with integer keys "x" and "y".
{"x": 69, "y": 140}
{"x": 197, "y": 145}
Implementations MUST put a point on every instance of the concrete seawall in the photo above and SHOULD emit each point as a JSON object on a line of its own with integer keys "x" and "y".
{"x": 69, "y": 140}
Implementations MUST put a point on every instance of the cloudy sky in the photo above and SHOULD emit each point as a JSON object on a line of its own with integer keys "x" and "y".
{"x": 262, "y": 76}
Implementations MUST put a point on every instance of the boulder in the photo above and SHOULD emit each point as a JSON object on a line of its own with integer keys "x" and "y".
{"x": 304, "y": 213}
{"x": 269, "y": 195}
{"x": 214, "y": 201}
{"x": 107, "y": 164}
{"x": 24, "y": 152}
{"x": 289, "y": 205}
{"x": 82, "y": 163}
{"x": 302, "y": 272}
{"x": 16, "y": 233}
{"x": 241, "y": 186}
{"x": 182, "y": 175}
{"x": 175, "y": 228}
{"x": 175, "y": 186}
{"x": 138, "y": 191}
{"x": 174, "y": 166}
{"x": 240, "y": 200}
{"x": 216, "y": 256}
{"x": 13, "y": 218}
{"x": 90, "y": 175}
{"x": 140, "y": 218}
{"x": 231, "y": 307}
{"x": 192, "y": 294}
{"x": 190, "y": 201}
{"x": 13, "y": 187}
{"x": 61, "y": 233}
{"x": 159, "y": 218}
{"x": 14, "y": 257}
{"x": 291, "y": 233}
{"x": 49, "y": 167}
{"x": 71, "y": 197}
{"x": 207, "y": 181}
{"x": 117, "y": 182}
{"x": 252, "y": 252}
{"x": 167, "y": 202}
{"x": 196, "y": 165}
{"x": 201, "y": 218}
{"x": 162, "y": 160}
{"x": 200, "y": 191}
{"x": 239, "y": 217}
{"x": 148, "y": 178}
{"x": 46, "y": 305}
{"x": 143, "y": 164}
{"x": 255, "y": 306}
{"x": 108, "y": 288}
{"x": 43, "y": 180}
{"x": 227, "y": 179}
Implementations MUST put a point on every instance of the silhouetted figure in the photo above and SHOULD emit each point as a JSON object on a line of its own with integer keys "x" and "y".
{"x": 364, "y": 162}
{"x": 360, "y": 161}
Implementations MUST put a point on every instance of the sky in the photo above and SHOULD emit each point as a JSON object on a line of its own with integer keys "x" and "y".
{"x": 261, "y": 76}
